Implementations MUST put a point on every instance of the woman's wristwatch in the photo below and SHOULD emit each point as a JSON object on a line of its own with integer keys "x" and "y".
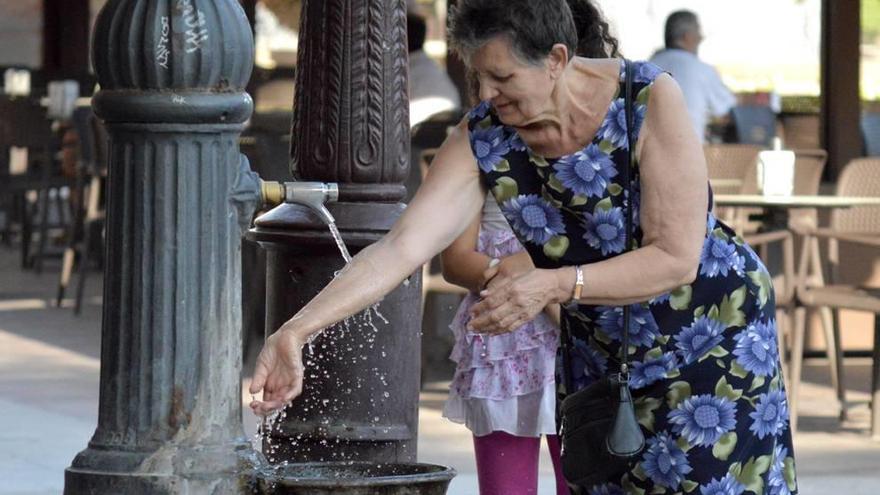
{"x": 578, "y": 284}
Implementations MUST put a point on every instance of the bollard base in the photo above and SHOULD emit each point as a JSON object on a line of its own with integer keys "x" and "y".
{"x": 171, "y": 472}
{"x": 355, "y": 478}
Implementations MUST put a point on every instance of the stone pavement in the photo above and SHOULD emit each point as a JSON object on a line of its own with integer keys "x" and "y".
{"x": 49, "y": 395}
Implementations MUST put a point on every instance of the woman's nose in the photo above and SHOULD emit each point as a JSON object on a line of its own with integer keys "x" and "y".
{"x": 487, "y": 92}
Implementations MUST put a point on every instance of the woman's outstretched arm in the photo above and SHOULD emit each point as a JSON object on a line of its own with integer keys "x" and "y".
{"x": 444, "y": 206}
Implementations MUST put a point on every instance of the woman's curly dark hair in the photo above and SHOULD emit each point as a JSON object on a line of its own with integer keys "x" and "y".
{"x": 533, "y": 27}
{"x": 594, "y": 35}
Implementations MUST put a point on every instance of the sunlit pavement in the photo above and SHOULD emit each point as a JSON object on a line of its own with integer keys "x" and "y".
{"x": 49, "y": 399}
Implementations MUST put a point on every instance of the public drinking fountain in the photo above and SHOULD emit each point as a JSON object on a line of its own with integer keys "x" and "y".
{"x": 343, "y": 469}
{"x": 172, "y": 78}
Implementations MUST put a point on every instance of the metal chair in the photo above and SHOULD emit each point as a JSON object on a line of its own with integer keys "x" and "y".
{"x": 860, "y": 226}
{"x": 85, "y": 199}
{"x": 26, "y": 126}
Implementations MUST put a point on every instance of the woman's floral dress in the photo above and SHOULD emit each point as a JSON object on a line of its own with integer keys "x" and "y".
{"x": 704, "y": 359}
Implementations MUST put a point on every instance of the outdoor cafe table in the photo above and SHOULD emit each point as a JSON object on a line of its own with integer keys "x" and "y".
{"x": 787, "y": 202}
{"x": 776, "y": 208}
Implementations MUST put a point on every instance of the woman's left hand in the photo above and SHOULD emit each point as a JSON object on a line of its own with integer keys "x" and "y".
{"x": 510, "y": 302}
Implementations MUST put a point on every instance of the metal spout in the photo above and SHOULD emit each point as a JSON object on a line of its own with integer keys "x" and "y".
{"x": 311, "y": 194}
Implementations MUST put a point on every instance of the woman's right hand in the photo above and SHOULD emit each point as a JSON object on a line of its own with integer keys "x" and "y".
{"x": 279, "y": 371}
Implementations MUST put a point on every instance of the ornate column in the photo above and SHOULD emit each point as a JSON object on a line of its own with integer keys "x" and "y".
{"x": 172, "y": 74}
{"x": 350, "y": 126}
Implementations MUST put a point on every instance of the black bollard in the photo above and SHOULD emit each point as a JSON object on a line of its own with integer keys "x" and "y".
{"x": 172, "y": 77}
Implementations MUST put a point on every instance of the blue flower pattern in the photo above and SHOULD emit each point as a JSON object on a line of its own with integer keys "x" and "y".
{"x": 777, "y": 483}
{"x": 727, "y": 485}
{"x": 642, "y": 327}
{"x": 702, "y": 336}
{"x": 704, "y": 357}
{"x": 489, "y": 146}
{"x": 719, "y": 256}
{"x": 664, "y": 461}
{"x": 756, "y": 350}
{"x": 703, "y": 419}
{"x": 533, "y": 218}
{"x": 644, "y": 373}
{"x": 587, "y": 172}
{"x": 605, "y": 230}
{"x": 770, "y": 416}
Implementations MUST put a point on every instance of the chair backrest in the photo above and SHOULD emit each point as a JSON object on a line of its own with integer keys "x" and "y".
{"x": 730, "y": 161}
{"x": 871, "y": 133}
{"x": 754, "y": 124}
{"x": 808, "y": 167}
{"x": 860, "y": 177}
{"x": 801, "y": 131}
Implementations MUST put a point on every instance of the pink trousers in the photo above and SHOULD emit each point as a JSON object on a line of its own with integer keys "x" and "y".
{"x": 508, "y": 464}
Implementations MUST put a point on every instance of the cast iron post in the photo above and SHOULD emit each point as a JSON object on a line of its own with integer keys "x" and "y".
{"x": 172, "y": 74}
{"x": 350, "y": 126}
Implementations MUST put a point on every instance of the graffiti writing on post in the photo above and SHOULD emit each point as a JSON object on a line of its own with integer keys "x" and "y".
{"x": 194, "y": 19}
{"x": 162, "y": 51}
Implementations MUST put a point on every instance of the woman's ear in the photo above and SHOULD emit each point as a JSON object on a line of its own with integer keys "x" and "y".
{"x": 557, "y": 60}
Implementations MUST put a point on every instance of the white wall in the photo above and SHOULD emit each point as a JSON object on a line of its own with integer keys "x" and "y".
{"x": 21, "y": 24}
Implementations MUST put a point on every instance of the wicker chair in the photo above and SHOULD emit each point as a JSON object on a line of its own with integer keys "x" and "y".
{"x": 801, "y": 131}
{"x": 860, "y": 226}
{"x": 728, "y": 165}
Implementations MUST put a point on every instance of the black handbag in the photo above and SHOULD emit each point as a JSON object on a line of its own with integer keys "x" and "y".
{"x": 599, "y": 430}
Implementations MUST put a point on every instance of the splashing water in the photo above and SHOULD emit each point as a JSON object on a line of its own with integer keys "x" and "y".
{"x": 335, "y": 343}
{"x": 332, "y": 343}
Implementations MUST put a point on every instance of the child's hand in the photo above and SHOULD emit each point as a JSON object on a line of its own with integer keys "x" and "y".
{"x": 507, "y": 267}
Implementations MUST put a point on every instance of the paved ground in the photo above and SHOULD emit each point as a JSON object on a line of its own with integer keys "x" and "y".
{"x": 49, "y": 394}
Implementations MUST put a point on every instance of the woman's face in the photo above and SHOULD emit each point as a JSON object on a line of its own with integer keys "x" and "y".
{"x": 519, "y": 92}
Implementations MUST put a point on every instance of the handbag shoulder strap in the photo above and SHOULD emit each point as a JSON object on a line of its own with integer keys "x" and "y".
{"x": 628, "y": 202}
{"x": 627, "y": 177}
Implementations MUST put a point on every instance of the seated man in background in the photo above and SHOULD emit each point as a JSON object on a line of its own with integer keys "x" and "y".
{"x": 705, "y": 94}
{"x": 431, "y": 91}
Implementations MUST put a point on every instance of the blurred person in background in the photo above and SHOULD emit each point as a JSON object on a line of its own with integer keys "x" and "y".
{"x": 706, "y": 96}
{"x": 431, "y": 91}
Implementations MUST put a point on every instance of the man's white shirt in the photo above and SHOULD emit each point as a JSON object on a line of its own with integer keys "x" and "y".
{"x": 704, "y": 93}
